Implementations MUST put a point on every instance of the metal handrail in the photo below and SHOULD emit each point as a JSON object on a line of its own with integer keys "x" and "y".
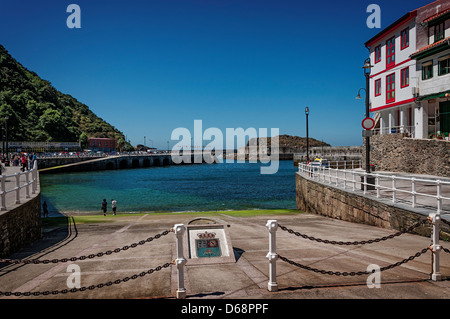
{"x": 18, "y": 187}
{"x": 339, "y": 178}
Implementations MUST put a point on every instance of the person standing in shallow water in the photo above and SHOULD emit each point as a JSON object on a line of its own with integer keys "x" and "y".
{"x": 113, "y": 206}
{"x": 104, "y": 206}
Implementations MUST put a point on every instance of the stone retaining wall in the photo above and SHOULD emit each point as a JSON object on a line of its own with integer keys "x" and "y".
{"x": 397, "y": 153}
{"x": 21, "y": 226}
{"x": 325, "y": 200}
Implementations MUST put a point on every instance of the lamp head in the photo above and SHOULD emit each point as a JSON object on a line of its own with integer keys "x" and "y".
{"x": 367, "y": 66}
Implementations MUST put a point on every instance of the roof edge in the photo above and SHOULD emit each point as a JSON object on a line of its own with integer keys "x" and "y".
{"x": 391, "y": 27}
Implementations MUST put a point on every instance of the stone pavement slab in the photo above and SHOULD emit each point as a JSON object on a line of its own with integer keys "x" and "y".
{"x": 245, "y": 279}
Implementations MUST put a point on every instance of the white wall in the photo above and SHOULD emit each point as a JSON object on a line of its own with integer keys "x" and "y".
{"x": 380, "y": 72}
{"x": 436, "y": 84}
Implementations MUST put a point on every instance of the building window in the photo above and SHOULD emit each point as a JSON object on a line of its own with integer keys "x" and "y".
{"x": 404, "y": 39}
{"x": 378, "y": 54}
{"x": 377, "y": 87}
{"x": 439, "y": 32}
{"x": 390, "y": 52}
{"x": 444, "y": 66}
{"x": 404, "y": 77}
{"x": 390, "y": 88}
{"x": 427, "y": 70}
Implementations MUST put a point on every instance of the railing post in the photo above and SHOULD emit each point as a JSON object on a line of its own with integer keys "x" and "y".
{"x": 365, "y": 183}
{"x": 17, "y": 175}
{"x": 345, "y": 178}
{"x": 3, "y": 196}
{"x": 272, "y": 226}
{"x": 34, "y": 178}
{"x": 435, "y": 248}
{"x": 377, "y": 181}
{"x": 27, "y": 187}
{"x": 179, "y": 230}
{"x": 353, "y": 177}
{"x": 413, "y": 184}
{"x": 393, "y": 188}
{"x": 439, "y": 198}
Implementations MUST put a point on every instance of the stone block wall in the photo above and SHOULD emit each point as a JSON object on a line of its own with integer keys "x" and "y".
{"x": 21, "y": 226}
{"x": 397, "y": 153}
{"x": 325, "y": 200}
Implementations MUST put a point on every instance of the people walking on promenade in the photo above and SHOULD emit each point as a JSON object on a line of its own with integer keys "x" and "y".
{"x": 24, "y": 163}
{"x": 32, "y": 160}
{"x": 113, "y": 206}
{"x": 104, "y": 206}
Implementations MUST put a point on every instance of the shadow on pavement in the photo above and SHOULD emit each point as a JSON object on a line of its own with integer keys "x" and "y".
{"x": 58, "y": 230}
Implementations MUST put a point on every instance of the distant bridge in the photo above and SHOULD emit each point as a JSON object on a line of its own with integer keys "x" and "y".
{"x": 82, "y": 164}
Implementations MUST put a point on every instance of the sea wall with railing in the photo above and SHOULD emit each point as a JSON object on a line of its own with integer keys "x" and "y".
{"x": 378, "y": 199}
{"x": 20, "y": 209}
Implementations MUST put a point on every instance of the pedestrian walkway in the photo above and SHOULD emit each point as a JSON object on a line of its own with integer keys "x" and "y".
{"x": 147, "y": 267}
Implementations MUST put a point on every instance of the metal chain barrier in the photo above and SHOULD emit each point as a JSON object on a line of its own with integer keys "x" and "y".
{"x": 90, "y": 256}
{"x": 92, "y": 287}
{"x": 363, "y": 242}
{"x": 359, "y": 273}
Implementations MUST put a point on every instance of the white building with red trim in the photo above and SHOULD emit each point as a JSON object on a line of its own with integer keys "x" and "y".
{"x": 410, "y": 77}
{"x": 393, "y": 76}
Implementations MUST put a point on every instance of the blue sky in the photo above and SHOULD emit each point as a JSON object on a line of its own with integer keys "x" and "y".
{"x": 148, "y": 67}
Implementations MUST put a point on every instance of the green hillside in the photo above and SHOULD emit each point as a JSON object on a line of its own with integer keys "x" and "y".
{"x": 40, "y": 113}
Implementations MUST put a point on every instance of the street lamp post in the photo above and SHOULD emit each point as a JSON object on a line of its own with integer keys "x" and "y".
{"x": 367, "y": 68}
{"x": 369, "y": 182}
{"x": 307, "y": 134}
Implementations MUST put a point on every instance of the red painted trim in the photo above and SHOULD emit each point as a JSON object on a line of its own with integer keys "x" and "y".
{"x": 392, "y": 48}
{"x": 401, "y": 77}
{"x": 390, "y": 83}
{"x": 377, "y": 56}
{"x": 392, "y": 105}
{"x": 406, "y": 18}
{"x": 377, "y": 92}
{"x": 394, "y": 66}
{"x": 404, "y": 33}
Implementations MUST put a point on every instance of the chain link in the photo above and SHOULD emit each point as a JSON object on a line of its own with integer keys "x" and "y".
{"x": 363, "y": 242}
{"x": 90, "y": 256}
{"x": 91, "y": 287}
{"x": 359, "y": 273}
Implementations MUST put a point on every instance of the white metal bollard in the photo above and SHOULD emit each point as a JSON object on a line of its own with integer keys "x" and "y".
{"x": 272, "y": 226}
{"x": 179, "y": 230}
{"x": 435, "y": 248}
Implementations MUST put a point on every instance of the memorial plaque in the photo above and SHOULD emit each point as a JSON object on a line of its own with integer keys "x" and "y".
{"x": 208, "y": 243}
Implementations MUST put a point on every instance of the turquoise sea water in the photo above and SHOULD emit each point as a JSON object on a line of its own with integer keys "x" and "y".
{"x": 205, "y": 187}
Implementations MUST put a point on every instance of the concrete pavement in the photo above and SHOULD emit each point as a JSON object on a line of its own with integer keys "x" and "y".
{"x": 246, "y": 278}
